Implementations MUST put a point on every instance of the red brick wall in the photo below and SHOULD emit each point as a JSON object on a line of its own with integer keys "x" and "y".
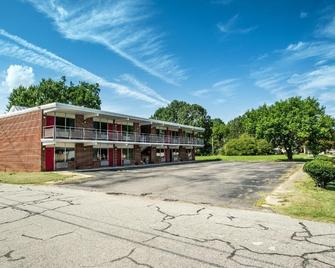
{"x": 84, "y": 156}
{"x": 81, "y": 122}
{"x": 137, "y": 155}
{"x": 20, "y": 142}
{"x": 183, "y": 154}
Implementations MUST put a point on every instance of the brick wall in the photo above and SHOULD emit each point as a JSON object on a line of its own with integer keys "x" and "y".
{"x": 137, "y": 155}
{"x": 81, "y": 122}
{"x": 153, "y": 157}
{"x": 20, "y": 142}
{"x": 183, "y": 154}
{"x": 84, "y": 156}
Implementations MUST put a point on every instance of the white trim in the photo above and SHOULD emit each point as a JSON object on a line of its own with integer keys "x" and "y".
{"x": 68, "y": 108}
{"x": 90, "y": 142}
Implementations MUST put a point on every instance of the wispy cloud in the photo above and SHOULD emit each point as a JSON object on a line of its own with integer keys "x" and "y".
{"x": 14, "y": 46}
{"x": 145, "y": 89}
{"x": 121, "y": 26}
{"x": 222, "y": 90}
{"x": 302, "y": 68}
{"x": 231, "y": 26}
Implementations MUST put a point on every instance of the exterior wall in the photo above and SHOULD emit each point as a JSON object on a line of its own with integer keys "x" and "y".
{"x": 137, "y": 155}
{"x": 183, "y": 154}
{"x": 20, "y": 142}
{"x": 153, "y": 157}
{"x": 84, "y": 156}
{"x": 81, "y": 122}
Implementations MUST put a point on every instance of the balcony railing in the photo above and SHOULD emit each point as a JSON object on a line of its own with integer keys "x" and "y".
{"x": 75, "y": 133}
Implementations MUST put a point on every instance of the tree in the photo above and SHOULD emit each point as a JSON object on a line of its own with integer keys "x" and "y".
{"x": 182, "y": 112}
{"x": 218, "y": 133}
{"x": 294, "y": 122}
{"x": 48, "y": 90}
{"x": 235, "y": 128}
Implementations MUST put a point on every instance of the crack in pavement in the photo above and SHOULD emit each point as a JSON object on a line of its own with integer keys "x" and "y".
{"x": 9, "y": 257}
{"x": 127, "y": 256}
{"x": 235, "y": 251}
{"x": 49, "y": 238}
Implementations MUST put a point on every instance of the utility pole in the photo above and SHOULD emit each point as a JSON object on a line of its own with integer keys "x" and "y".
{"x": 212, "y": 145}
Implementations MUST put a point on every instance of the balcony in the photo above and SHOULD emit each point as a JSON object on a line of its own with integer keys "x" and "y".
{"x": 88, "y": 134}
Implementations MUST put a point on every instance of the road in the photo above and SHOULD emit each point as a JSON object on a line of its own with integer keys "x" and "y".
{"x": 231, "y": 184}
{"x": 51, "y": 226}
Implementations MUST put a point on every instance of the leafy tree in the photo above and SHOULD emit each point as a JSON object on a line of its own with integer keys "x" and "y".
{"x": 294, "y": 122}
{"x": 235, "y": 128}
{"x": 218, "y": 132}
{"x": 247, "y": 145}
{"x": 48, "y": 90}
{"x": 184, "y": 113}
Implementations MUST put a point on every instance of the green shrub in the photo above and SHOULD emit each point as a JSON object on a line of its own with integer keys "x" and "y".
{"x": 322, "y": 172}
{"x": 264, "y": 147}
{"x": 324, "y": 158}
{"x": 247, "y": 145}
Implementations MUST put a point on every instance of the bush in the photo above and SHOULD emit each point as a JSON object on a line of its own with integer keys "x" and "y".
{"x": 247, "y": 145}
{"x": 263, "y": 147}
{"x": 325, "y": 158}
{"x": 321, "y": 171}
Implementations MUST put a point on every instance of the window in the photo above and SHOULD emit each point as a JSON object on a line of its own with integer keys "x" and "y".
{"x": 127, "y": 128}
{"x": 160, "y": 154}
{"x": 65, "y": 122}
{"x": 128, "y": 154}
{"x": 100, "y": 154}
{"x": 60, "y": 155}
{"x": 70, "y": 154}
{"x": 63, "y": 154}
{"x": 175, "y": 155}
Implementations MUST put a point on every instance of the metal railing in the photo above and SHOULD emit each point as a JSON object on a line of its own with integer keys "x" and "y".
{"x": 75, "y": 133}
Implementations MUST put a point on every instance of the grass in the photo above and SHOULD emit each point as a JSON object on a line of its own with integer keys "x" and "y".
{"x": 263, "y": 158}
{"x": 32, "y": 177}
{"x": 309, "y": 202}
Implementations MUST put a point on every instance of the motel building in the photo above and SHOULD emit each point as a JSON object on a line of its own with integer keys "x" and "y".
{"x": 60, "y": 136}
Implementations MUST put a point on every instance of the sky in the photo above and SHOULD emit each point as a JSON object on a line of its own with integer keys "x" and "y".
{"x": 226, "y": 55}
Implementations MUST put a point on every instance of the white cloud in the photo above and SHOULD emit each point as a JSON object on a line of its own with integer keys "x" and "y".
{"x": 230, "y": 26}
{"x": 224, "y": 88}
{"x": 143, "y": 87}
{"x": 121, "y": 26}
{"x": 18, "y": 75}
{"x": 14, "y": 46}
{"x": 295, "y": 47}
{"x": 329, "y": 29}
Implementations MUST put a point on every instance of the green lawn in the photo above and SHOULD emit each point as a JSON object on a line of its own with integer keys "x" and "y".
{"x": 298, "y": 157}
{"x": 309, "y": 202}
{"x": 32, "y": 177}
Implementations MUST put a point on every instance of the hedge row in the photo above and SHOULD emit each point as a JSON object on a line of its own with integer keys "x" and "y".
{"x": 321, "y": 170}
{"x": 247, "y": 145}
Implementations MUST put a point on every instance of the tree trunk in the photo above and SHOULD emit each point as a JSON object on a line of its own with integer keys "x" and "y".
{"x": 289, "y": 154}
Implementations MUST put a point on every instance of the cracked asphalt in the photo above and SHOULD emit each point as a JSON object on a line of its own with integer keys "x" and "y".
{"x": 51, "y": 226}
{"x": 230, "y": 184}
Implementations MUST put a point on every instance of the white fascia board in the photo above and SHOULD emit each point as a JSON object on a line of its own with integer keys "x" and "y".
{"x": 55, "y": 106}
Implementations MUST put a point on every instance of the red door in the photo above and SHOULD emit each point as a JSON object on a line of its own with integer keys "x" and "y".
{"x": 49, "y": 158}
{"x": 50, "y": 121}
{"x": 110, "y": 156}
{"x": 118, "y": 158}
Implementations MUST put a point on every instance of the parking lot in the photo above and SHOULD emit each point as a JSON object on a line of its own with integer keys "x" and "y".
{"x": 231, "y": 184}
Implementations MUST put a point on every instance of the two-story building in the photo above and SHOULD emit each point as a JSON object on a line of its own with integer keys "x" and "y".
{"x": 60, "y": 136}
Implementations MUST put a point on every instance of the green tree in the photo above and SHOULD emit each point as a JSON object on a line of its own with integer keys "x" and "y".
{"x": 293, "y": 122}
{"x": 235, "y": 128}
{"x": 218, "y": 133}
{"x": 182, "y": 112}
{"x": 48, "y": 90}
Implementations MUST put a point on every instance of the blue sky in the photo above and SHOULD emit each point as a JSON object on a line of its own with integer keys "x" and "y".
{"x": 226, "y": 55}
